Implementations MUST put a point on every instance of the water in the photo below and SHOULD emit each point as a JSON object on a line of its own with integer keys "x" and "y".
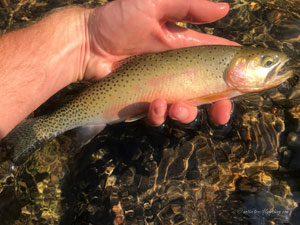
{"x": 244, "y": 173}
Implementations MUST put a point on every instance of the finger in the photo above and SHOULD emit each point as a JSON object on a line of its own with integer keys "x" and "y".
{"x": 179, "y": 37}
{"x": 220, "y": 112}
{"x": 157, "y": 112}
{"x": 183, "y": 112}
{"x": 192, "y": 11}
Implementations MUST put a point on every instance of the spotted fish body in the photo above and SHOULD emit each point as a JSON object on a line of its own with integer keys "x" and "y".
{"x": 197, "y": 75}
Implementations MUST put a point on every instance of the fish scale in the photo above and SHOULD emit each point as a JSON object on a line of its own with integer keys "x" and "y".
{"x": 196, "y": 75}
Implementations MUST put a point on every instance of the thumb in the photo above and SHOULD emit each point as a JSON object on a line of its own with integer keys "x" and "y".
{"x": 179, "y": 37}
{"x": 192, "y": 11}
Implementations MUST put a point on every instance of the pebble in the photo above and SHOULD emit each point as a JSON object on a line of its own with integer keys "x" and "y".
{"x": 293, "y": 139}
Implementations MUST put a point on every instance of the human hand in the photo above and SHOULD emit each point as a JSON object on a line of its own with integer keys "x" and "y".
{"x": 130, "y": 27}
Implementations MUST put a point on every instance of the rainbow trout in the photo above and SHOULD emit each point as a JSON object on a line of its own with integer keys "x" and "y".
{"x": 196, "y": 75}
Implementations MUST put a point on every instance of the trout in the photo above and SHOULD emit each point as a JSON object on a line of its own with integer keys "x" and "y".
{"x": 196, "y": 75}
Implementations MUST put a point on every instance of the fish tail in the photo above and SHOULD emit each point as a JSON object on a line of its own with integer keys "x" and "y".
{"x": 33, "y": 133}
{"x": 23, "y": 140}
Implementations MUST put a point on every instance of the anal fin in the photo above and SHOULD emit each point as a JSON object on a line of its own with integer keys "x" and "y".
{"x": 85, "y": 133}
{"x": 135, "y": 118}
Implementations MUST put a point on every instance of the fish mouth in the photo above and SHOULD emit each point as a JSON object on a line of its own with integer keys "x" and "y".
{"x": 279, "y": 74}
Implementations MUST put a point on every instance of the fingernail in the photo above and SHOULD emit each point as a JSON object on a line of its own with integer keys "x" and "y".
{"x": 159, "y": 111}
{"x": 182, "y": 114}
{"x": 223, "y": 5}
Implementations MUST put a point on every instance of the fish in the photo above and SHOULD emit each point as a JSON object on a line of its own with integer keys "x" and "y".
{"x": 195, "y": 75}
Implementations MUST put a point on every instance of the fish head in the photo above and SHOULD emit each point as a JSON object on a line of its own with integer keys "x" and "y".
{"x": 256, "y": 69}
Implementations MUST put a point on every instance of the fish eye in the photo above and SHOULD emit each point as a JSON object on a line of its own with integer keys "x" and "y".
{"x": 267, "y": 61}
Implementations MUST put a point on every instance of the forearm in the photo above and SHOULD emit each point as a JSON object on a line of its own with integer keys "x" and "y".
{"x": 38, "y": 61}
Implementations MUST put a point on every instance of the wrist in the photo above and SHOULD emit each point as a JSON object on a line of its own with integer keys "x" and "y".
{"x": 70, "y": 45}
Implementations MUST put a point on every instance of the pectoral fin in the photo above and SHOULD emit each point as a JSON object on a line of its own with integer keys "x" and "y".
{"x": 213, "y": 98}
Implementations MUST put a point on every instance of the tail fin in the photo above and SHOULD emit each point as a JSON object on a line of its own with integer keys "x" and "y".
{"x": 31, "y": 134}
{"x": 21, "y": 142}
